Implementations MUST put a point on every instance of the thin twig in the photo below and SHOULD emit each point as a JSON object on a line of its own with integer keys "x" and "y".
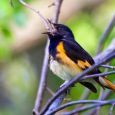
{"x": 85, "y": 94}
{"x": 42, "y": 84}
{"x": 108, "y": 66}
{"x": 37, "y": 12}
{"x": 106, "y": 52}
{"x": 55, "y": 104}
{"x": 76, "y": 102}
{"x": 50, "y": 91}
{"x": 97, "y": 110}
{"x": 106, "y": 34}
{"x": 89, "y": 107}
{"x": 97, "y": 75}
{"x": 58, "y": 4}
{"x": 104, "y": 97}
{"x": 111, "y": 109}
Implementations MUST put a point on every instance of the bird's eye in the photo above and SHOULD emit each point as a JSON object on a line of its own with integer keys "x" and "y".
{"x": 64, "y": 36}
{"x": 60, "y": 29}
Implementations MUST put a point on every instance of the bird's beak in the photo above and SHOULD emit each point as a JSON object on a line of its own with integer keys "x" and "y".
{"x": 46, "y": 33}
{"x": 52, "y": 27}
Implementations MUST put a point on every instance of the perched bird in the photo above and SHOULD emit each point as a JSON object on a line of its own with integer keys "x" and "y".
{"x": 68, "y": 58}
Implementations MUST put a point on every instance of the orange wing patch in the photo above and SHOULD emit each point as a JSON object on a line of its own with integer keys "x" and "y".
{"x": 60, "y": 48}
{"x": 83, "y": 64}
{"x": 66, "y": 61}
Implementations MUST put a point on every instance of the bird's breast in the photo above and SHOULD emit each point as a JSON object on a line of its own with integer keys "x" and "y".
{"x": 62, "y": 65}
{"x": 62, "y": 70}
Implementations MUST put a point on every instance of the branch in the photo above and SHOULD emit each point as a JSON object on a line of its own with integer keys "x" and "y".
{"x": 37, "y": 12}
{"x": 50, "y": 91}
{"x": 98, "y": 75}
{"x": 55, "y": 104}
{"x": 111, "y": 109}
{"x": 101, "y": 93}
{"x": 106, "y": 52}
{"x": 108, "y": 66}
{"x": 106, "y": 34}
{"x": 89, "y": 107}
{"x": 55, "y": 20}
{"x": 42, "y": 84}
{"x": 58, "y": 4}
{"x": 77, "y": 102}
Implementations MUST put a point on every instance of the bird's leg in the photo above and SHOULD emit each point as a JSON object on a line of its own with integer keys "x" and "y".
{"x": 64, "y": 83}
{"x": 68, "y": 90}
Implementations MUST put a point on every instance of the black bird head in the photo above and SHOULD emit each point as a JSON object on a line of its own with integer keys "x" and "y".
{"x": 59, "y": 31}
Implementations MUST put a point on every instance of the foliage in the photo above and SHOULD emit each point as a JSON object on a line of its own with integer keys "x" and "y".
{"x": 20, "y": 75}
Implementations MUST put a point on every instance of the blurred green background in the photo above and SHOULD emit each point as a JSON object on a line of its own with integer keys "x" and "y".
{"x": 22, "y": 48}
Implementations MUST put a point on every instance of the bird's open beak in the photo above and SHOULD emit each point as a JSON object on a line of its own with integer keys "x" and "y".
{"x": 46, "y": 33}
{"x": 52, "y": 29}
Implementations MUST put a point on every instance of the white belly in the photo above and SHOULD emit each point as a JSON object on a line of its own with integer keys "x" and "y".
{"x": 62, "y": 71}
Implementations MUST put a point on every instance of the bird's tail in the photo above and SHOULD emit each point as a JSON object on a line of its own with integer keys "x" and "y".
{"x": 106, "y": 83}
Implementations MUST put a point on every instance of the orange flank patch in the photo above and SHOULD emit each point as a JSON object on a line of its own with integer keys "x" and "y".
{"x": 83, "y": 64}
{"x": 70, "y": 65}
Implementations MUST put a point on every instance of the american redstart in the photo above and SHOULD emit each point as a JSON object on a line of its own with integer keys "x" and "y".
{"x": 68, "y": 58}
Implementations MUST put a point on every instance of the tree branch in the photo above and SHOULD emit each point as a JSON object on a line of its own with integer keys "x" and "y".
{"x": 41, "y": 87}
{"x": 58, "y": 4}
{"x": 106, "y": 34}
{"x": 89, "y": 107}
{"x": 37, "y": 12}
{"x": 108, "y": 66}
{"x": 111, "y": 109}
{"x": 76, "y": 102}
{"x": 97, "y": 75}
{"x": 42, "y": 84}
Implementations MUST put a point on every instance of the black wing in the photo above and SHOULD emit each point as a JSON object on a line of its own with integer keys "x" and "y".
{"x": 74, "y": 51}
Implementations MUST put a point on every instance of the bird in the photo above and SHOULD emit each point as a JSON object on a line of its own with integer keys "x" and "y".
{"x": 67, "y": 58}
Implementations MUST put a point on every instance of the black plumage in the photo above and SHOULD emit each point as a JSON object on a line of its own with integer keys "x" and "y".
{"x": 68, "y": 58}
